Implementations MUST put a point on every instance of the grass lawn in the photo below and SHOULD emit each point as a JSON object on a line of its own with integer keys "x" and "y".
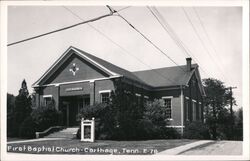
{"x": 75, "y": 146}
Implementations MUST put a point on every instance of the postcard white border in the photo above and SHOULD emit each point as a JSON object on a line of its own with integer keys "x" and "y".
{"x": 14, "y": 156}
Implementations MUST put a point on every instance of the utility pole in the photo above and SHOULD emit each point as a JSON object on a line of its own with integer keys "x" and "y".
{"x": 231, "y": 101}
{"x": 231, "y": 108}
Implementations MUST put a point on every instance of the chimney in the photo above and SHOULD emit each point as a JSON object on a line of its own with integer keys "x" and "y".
{"x": 189, "y": 63}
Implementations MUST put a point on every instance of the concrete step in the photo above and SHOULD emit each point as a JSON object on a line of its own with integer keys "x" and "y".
{"x": 65, "y": 133}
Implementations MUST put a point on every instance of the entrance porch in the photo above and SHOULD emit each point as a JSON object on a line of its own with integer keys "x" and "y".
{"x": 70, "y": 107}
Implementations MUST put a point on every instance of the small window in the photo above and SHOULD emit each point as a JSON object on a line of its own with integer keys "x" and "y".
{"x": 194, "y": 110}
{"x": 138, "y": 98}
{"x": 168, "y": 105}
{"x": 187, "y": 109}
{"x": 47, "y": 99}
{"x": 105, "y": 97}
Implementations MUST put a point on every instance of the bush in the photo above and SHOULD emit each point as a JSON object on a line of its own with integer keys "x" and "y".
{"x": 196, "y": 130}
{"x": 45, "y": 117}
{"x": 39, "y": 120}
{"x": 104, "y": 120}
{"x": 28, "y": 128}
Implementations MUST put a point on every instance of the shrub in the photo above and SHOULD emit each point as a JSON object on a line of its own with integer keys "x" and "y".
{"x": 27, "y": 128}
{"x": 39, "y": 120}
{"x": 104, "y": 120}
{"x": 196, "y": 130}
{"x": 45, "y": 117}
{"x": 171, "y": 133}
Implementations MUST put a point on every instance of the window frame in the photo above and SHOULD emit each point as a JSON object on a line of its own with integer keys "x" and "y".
{"x": 45, "y": 97}
{"x": 194, "y": 110}
{"x": 187, "y": 108}
{"x": 104, "y": 92}
{"x": 171, "y": 108}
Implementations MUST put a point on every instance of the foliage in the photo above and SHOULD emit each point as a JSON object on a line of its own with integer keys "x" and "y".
{"x": 151, "y": 125}
{"x": 128, "y": 111}
{"x": 217, "y": 116}
{"x": 238, "y": 129}
{"x": 28, "y": 128}
{"x": 46, "y": 116}
{"x": 22, "y": 107}
{"x": 154, "y": 123}
{"x": 39, "y": 120}
{"x": 104, "y": 119}
{"x": 10, "y": 116}
{"x": 196, "y": 130}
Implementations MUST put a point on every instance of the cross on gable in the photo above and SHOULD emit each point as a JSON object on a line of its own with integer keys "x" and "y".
{"x": 74, "y": 69}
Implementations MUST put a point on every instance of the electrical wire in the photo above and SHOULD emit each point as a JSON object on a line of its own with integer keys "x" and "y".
{"x": 146, "y": 38}
{"x": 61, "y": 29}
{"x": 206, "y": 33}
{"x": 172, "y": 34}
{"x": 122, "y": 48}
{"x": 203, "y": 44}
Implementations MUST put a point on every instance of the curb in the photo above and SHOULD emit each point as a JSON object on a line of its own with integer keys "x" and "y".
{"x": 33, "y": 140}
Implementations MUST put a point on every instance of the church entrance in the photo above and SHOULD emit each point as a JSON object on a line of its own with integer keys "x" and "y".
{"x": 71, "y": 106}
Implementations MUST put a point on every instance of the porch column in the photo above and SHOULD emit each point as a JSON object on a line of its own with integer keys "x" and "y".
{"x": 92, "y": 92}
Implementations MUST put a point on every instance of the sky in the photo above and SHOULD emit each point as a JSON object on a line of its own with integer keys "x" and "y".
{"x": 214, "y": 40}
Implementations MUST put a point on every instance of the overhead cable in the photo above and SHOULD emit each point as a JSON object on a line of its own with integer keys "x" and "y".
{"x": 163, "y": 22}
{"x": 61, "y": 29}
{"x": 146, "y": 38}
{"x": 122, "y": 48}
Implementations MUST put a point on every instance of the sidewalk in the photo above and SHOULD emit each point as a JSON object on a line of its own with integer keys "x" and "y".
{"x": 33, "y": 140}
{"x": 183, "y": 148}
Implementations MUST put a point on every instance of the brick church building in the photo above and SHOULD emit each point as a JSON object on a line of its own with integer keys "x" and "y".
{"x": 77, "y": 79}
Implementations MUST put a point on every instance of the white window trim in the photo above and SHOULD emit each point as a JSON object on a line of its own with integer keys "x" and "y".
{"x": 169, "y": 97}
{"x": 187, "y": 110}
{"x": 174, "y": 126}
{"x": 138, "y": 95}
{"x": 47, "y": 96}
{"x": 194, "y": 109}
{"x": 105, "y": 91}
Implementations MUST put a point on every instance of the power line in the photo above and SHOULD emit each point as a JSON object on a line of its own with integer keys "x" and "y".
{"x": 122, "y": 48}
{"x": 123, "y": 9}
{"x": 61, "y": 29}
{"x": 173, "y": 35}
{"x": 149, "y": 41}
{"x": 203, "y": 44}
{"x": 205, "y": 31}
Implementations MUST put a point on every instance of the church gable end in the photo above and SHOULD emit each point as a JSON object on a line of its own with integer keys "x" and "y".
{"x": 74, "y": 68}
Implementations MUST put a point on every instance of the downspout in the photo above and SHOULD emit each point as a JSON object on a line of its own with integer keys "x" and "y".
{"x": 182, "y": 111}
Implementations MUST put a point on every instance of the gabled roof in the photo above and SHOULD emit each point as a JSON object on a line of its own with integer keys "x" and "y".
{"x": 161, "y": 77}
{"x": 168, "y": 76}
{"x": 111, "y": 66}
{"x": 103, "y": 65}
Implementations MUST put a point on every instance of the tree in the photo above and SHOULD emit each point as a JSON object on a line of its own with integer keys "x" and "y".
{"x": 22, "y": 107}
{"x": 128, "y": 110}
{"x": 238, "y": 129}
{"x": 217, "y": 116}
{"x": 10, "y": 108}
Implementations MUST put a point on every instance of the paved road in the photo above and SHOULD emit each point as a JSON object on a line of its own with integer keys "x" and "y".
{"x": 217, "y": 148}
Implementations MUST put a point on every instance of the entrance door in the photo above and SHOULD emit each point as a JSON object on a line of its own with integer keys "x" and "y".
{"x": 65, "y": 113}
{"x": 71, "y": 107}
